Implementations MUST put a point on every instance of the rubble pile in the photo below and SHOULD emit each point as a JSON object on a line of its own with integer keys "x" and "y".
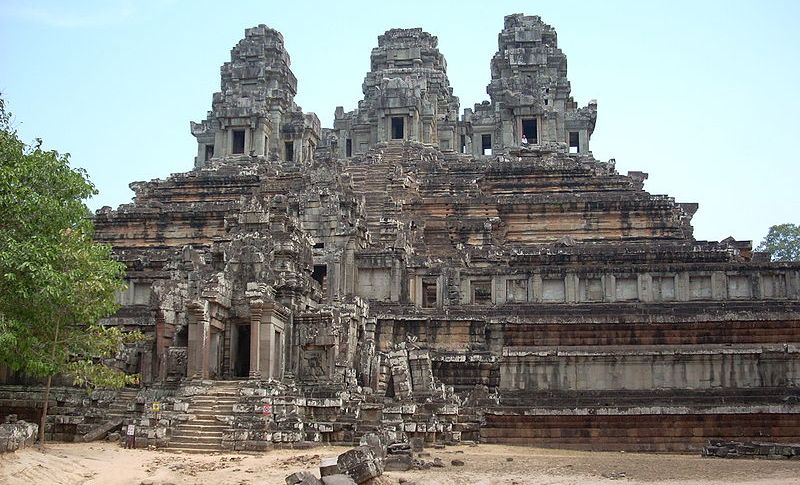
{"x": 751, "y": 449}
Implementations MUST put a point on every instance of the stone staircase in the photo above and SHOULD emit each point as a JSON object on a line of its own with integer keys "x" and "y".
{"x": 124, "y": 405}
{"x": 385, "y": 186}
{"x": 203, "y": 434}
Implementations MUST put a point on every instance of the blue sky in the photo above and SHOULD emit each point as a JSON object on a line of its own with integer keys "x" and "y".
{"x": 701, "y": 95}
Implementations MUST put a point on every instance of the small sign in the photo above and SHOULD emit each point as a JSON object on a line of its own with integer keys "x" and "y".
{"x": 156, "y": 407}
{"x": 267, "y": 409}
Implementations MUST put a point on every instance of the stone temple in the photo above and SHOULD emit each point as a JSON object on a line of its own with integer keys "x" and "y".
{"x": 433, "y": 274}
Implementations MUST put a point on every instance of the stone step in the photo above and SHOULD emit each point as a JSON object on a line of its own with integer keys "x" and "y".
{"x": 189, "y": 450}
{"x": 201, "y": 426}
{"x": 205, "y": 421}
{"x": 210, "y": 409}
{"x": 200, "y": 431}
{"x": 196, "y": 447}
{"x": 190, "y": 438}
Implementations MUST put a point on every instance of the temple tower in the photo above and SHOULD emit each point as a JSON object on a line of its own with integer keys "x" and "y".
{"x": 407, "y": 96}
{"x": 254, "y": 113}
{"x": 529, "y": 95}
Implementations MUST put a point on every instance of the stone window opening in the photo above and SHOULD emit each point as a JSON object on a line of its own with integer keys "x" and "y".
{"x": 238, "y": 142}
{"x": 209, "y": 152}
{"x": 348, "y": 147}
{"x": 481, "y": 292}
{"x": 429, "y": 294}
{"x": 574, "y": 142}
{"x": 266, "y": 145}
{"x": 319, "y": 245}
{"x": 320, "y": 273}
{"x": 289, "y": 150}
{"x": 397, "y": 128}
{"x": 463, "y": 143}
{"x": 530, "y": 131}
{"x": 182, "y": 337}
{"x": 486, "y": 144}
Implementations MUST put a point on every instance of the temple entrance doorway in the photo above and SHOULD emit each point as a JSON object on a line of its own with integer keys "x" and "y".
{"x": 241, "y": 366}
{"x": 398, "y": 128}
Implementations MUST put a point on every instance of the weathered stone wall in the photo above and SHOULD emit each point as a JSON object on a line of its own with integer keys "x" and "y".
{"x": 403, "y": 281}
{"x": 654, "y": 429}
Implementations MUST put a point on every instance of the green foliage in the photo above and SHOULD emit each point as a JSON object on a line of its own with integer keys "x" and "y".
{"x": 783, "y": 241}
{"x": 56, "y": 283}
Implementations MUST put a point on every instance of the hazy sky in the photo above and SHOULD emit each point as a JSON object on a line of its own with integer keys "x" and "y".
{"x": 702, "y": 95}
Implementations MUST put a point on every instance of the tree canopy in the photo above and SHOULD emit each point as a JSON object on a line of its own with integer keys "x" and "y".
{"x": 783, "y": 241}
{"x": 56, "y": 283}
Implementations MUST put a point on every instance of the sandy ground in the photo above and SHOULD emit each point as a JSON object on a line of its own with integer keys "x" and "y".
{"x": 108, "y": 464}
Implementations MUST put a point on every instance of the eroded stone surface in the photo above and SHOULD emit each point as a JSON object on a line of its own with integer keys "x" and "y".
{"x": 430, "y": 277}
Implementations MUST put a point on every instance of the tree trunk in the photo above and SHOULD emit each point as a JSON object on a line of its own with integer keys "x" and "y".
{"x": 44, "y": 411}
{"x": 47, "y": 392}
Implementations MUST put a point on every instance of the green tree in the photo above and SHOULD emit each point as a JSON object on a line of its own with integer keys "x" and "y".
{"x": 56, "y": 283}
{"x": 783, "y": 241}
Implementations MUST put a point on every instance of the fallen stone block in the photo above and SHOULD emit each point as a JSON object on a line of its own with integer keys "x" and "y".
{"x": 382, "y": 480}
{"x": 376, "y": 444}
{"x": 339, "y": 479}
{"x": 101, "y": 430}
{"x": 360, "y": 464}
{"x": 303, "y": 478}
{"x": 19, "y": 434}
{"x": 328, "y": 466}
{"x": 398, "y": 463}
{"x": 399, "y": 449}
{"x": 457, "y": 462}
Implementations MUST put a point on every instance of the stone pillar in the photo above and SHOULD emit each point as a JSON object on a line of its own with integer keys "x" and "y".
{"x": 609, "y": 288}
{"x": 268, "y": 343}
{"x": 396, "y": 279}
{"x": 205, "y": 346}
{"x": 220, "y": 143}
{"x": 199, "y": 340}
{"x": 645, "y": 287}
{"x": 258, "y": 140}
{"x": 571, "y": 288}
{"x": 536, "y": 288}
{"x": 265, "y": 342}
{"x": 682, "y": 286}
{"x": 719, "y": 285}
{"x": 498, "y": 290}
{"x": 255, "y": 341}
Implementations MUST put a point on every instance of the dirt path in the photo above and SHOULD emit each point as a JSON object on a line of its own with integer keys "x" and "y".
{"x": 108, "y": 464}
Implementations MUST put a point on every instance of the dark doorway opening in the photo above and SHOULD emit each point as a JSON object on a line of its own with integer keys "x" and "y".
{"x": 463, "y": 143}
{"x": 486, "y": 144}
{"x": 238, "y": 141}
{"x": 348, "y": 148}
{"x": 429, "y": 294}
{"x": 398, "y": 128}
{"x": 289, "y": 149}
{"x": 209, "y": 152}
{"x": 482, "y": 292}
{"x": 182, "y": 337}
{"x": 242, "y": 364}
{"x": 574, "y": 142}
{"x": 530, "y": 131}
{"x": 390, "y": 387}
{"x": 320, "y": 275}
